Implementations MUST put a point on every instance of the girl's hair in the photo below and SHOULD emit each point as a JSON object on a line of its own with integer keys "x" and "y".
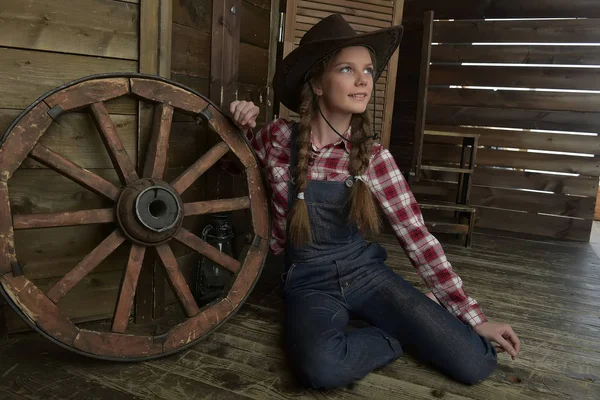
{"x": 363, "y": 211}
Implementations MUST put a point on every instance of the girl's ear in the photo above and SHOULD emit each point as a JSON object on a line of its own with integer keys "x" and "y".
{"x": 316, "y": 87}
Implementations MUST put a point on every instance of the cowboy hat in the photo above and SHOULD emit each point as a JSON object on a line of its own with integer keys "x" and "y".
{"x": 327, "y": 36}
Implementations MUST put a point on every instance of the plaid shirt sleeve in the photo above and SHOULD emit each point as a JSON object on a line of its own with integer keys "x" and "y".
{"x": 422, "y": 248}
{"x": 267, "y": 144}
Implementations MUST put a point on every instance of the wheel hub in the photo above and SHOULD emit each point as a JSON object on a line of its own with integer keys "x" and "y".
{"x": 149, "y": 211}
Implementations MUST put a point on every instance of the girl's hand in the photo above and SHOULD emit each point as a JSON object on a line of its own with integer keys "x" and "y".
{"x": 244, "y": 113}
{"x": 502, "y": 334}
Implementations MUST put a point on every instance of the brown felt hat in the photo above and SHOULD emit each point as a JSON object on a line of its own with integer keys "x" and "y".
{"x": 327, "y": 36}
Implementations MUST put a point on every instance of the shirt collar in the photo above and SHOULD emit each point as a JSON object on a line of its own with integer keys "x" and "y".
{"x": 345, "y": 143}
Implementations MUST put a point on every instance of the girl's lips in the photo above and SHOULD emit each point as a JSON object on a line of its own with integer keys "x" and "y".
{"x": 358, "y": 96}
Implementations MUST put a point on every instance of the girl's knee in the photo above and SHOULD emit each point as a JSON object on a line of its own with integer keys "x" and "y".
{"x": 476, "y": 369}
{"x": 323, "y": 370}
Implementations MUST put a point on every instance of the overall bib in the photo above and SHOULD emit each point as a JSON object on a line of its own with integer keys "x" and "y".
{"x": 340, "y": 273}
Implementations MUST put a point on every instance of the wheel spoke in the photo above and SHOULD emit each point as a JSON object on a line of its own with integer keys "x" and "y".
{"x": 178, "y": 283}
{"x": 85, "y": 266}
{"x": 195, "y": 243}
{"x": 194, "y": 172}
{"x": 74, "y": 172}
{"x": 114, "y": 146}
{"x": 128, "y": 288}
{"x": 156, "y": 157}
{"x": 213, "y": 206}
{"x": 72, "y": 218}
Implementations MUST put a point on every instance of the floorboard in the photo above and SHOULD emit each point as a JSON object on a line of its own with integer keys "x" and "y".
{"x": 548, "y": 291}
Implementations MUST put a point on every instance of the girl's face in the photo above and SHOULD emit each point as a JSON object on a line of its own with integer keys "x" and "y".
{"x": 347, "y": 83}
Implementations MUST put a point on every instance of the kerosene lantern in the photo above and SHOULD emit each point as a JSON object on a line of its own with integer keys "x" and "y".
{"x": 212, "y": 279}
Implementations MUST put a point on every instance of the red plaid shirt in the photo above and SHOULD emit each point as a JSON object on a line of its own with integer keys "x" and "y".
{"x": 272, "y": 146}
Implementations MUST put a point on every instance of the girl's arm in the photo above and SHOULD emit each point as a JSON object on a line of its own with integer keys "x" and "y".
{"x": 422, "y": 248}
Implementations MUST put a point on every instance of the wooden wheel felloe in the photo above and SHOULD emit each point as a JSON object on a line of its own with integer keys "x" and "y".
{"x": 147, "y": 216}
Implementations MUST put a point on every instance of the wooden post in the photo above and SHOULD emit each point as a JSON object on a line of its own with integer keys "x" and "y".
{"x": 275, "y": 48}
{"x": 390, "y": 86}
{"x": 422, "y": 100}
{"x": 156, "y": 22}
{"x": 225, "y": 51}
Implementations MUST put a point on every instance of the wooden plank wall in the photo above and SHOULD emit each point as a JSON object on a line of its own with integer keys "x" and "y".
{"x": 363, "y": 16}
{"x": 191, "y": 66}
{"x": 509, "y": 191}
{"x": 44, "y": 44}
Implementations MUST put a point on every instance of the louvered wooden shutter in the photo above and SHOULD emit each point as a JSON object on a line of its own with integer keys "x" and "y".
{"x": 364, "y": 16}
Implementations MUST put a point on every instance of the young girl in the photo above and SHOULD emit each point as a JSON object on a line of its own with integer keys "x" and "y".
{"x": 324, "y": 172}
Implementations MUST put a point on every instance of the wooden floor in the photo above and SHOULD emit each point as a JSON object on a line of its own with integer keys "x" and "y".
{"x": 548, "y": 292}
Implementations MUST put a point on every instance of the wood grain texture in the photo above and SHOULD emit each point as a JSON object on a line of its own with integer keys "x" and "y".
{"x": 22, "y": 139}
{"x": 435, "y": 153}
{"x": 74, "y": 172}
{"x": 196, "y": 14}
{"x": 190, "y": 51}
{"x": 583, "y": 144}
{"x": 475, "y": 9}
{"x": 29, "y": 74}
{"x": 115, "y": 344}
{"x": 39, "y": 309}
{"x": 577, "y": 102}
{"x": 85, "y": 266}
{"x": 51, "y": 220}
{"x": 111, "y": 30}
{"x": 518, "y": 54}
{"x": 514, "y": 118}
{"x": 122, "y": 161}
{"x": 532, "y": 31}
{"x": 535, "y": 224}
{"x": 522, "y": 77}
{"x": 7, "y": 246}
{"x": 255, "y": 25}
{"x": 88, "y": 92}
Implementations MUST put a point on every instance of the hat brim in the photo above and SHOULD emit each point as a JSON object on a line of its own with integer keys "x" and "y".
{"x": 290, "y": 77}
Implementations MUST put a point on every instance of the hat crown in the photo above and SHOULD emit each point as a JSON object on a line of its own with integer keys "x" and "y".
{"x": 332, "y": 27}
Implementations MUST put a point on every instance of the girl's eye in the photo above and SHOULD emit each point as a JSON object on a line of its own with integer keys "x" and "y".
{"x": 345, "y": 69}
{"x": 369, "y": 71}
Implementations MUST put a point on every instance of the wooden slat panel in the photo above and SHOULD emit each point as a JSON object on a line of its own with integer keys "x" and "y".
{"x": 580, "y": 186}
{"x": 190, "y": 51}
{"x": 74, "y": 137}
{"x": 573, "y": 185}
{"x": 195, "y": 14}
{"x": 535, "y": 224}
{"x": 585, "y": 55}
{"x": 532, "y": 31}
{"x": 111, "y": 30}
{"x": 521, "y": 139}
{"x": 26, "y": 75}
{"x": 474, "y": 9}
{"x": 352, "y": 19}
{"x": 556, "y": 204}
{"x": 304, "y": 23}
{"x": 434, "y": 154}
{"x": 343, "y": 6}
{"x": 514, "y": 118}
{"x": 357, "y": 9}
{"x": 254, "y": 72}
{"x": 515, "y": 99}
{"x": 254, "y": 25}
{"x": 547, "y": 78}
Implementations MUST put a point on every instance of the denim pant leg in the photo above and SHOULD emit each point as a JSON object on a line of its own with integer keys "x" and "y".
{"x": 424, "y": 328}
{"x": 321, "y": 353}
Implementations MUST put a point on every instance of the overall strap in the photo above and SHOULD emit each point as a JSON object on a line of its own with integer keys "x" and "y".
{"x": 293, "y": 164}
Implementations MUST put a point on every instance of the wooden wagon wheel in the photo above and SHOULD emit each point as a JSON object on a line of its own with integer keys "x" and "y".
{"x": 148, "y": 213}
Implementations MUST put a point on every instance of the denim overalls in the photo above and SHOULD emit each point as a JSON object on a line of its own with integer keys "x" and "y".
{"x": 341, "y": 273}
